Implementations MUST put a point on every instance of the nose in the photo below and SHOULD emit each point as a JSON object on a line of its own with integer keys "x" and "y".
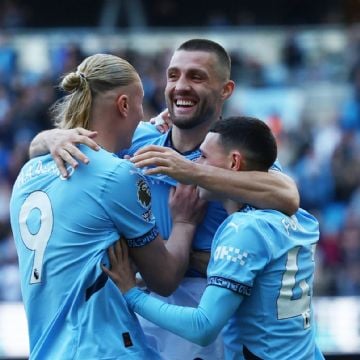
{"x": 182, "y": 83}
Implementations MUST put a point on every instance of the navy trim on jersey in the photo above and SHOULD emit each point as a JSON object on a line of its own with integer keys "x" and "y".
{"x": 144, "y": 239}
{"x": 230, "y": 284}
{"x": 96, "y": 286}
{"x": 248, "y": 355}
{"x": 168, "y": 143}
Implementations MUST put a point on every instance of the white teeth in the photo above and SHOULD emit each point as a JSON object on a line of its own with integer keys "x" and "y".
{"x": 184, "y": 103}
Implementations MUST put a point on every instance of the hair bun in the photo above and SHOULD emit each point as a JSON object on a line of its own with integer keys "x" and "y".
{"x": 73, "y": 81}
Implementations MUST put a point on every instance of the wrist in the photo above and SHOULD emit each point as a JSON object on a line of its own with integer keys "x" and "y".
{"x": 127, "y": 288}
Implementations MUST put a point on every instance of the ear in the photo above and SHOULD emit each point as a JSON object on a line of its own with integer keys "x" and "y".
{"x": 227, "y": 90}
{"x": 122, "y": 103}
{"x": 237, "y": 161}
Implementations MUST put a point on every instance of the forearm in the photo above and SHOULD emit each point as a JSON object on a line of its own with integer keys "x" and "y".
{"x": 179, "y": 246}
{"x": 265, "y": 190}
{"x": 199, "y": 261}
{"x": 163, "y": 267}
{"x": 38, "y": 145}
{"x": 200, "y": 325}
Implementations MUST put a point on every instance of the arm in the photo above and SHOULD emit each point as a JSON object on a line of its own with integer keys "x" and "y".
{"x": 265, "y": 190}
{"x": 163, "y": 266}
{"x": 200, "y": 325}
{"x": 199, "y": 261}
{"x": 61, "y": 144}
{"x": 272, "y": 189}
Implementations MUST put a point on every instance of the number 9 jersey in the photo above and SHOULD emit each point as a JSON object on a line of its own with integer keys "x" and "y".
{"x": 62, "y": 230}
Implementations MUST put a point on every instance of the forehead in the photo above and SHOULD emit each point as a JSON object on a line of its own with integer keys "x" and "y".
{"x": 187, "y": 60}
{"x": 211, "y": 143}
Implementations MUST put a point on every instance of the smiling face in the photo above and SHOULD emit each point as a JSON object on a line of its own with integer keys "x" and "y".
{"x": 195, "y": 88}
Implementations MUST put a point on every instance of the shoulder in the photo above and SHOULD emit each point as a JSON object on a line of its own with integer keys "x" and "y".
{"x": 108, "y": 166}
{"x": 145, "y": 134}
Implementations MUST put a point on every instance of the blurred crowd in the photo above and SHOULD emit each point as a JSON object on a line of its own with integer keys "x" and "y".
{"x": 323, "y": 157}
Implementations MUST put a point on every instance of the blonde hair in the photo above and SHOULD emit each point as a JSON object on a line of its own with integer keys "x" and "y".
{"x": 96, "y": 74}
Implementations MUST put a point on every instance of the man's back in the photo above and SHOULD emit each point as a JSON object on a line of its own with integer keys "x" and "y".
{"x": 270, "y": 257}
{"x": 62, "y": 229}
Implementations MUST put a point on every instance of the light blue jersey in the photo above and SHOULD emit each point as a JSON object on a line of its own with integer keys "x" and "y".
{"x": 62, "y": 229}
{"x": 147, "y": 134}
{"x": 259, "y": 290}
{"x": 268, "y": 258}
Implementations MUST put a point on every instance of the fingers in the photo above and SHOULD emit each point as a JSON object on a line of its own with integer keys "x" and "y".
{"x": 118, "y": 251}
{"x": 62, "y": 167}
{"x": 88, "y": 141}
{"x": 146, "y": 149}
{"x": 125, "y": 249}
{"x": 151, "y": 154}
{"x": 162, "y": 121}
{"x": 145, "y": 161}
{"x": 112, "y": 256}
{"x": 106, "y": 270}
{"x": 86, "y": 132}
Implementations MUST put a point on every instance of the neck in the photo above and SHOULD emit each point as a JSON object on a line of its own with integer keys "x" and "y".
{"x": 105, "y": 142}
{"x": 184, "y": 140}
{"x": 106, "y": 136}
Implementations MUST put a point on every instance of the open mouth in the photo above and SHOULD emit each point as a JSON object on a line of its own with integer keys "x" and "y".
{"x": 184, "y": 103}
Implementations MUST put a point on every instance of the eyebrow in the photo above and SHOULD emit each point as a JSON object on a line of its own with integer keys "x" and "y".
{"x": 175, "y": 68}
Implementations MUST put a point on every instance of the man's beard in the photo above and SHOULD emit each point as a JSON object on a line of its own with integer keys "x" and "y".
{"x": 195, "y": 121}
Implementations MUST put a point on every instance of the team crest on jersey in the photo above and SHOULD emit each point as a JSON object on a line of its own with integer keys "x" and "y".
{"x": 143, "y": 193}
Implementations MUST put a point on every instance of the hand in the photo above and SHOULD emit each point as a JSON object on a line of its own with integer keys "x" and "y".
{"x": 62, "y": 146}
{"x": 162, "y": 121}
{"x": 185, "y": 204}
{"x": 120, "y": 271}
{"x": 166, "y": 161}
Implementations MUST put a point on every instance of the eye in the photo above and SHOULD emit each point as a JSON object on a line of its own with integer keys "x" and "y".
{"x": 171, "y": 76}
{"x": 197, "y": 77}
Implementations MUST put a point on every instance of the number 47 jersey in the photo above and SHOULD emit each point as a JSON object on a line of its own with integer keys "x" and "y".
{"x": 268, "y": 258}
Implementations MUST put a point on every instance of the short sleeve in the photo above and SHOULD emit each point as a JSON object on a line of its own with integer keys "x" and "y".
{"x": 144, "y": 135}
{"x": 127, "y": 198}
{"x": 239, "y": 253}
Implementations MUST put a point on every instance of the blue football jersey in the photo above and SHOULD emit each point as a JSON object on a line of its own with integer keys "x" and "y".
{"x": 268, "y": 258}
{"x": 62, "y": 230}
{"x": 146, "y": 134}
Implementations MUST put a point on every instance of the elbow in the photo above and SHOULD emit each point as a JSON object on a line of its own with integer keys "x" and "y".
{"x": 291, "y": 202}
{"x": 205, "y": 338}
{"x": 163, "y": 288}
{"x": 293, "y": 205}
{"x": 163, "y": 291}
